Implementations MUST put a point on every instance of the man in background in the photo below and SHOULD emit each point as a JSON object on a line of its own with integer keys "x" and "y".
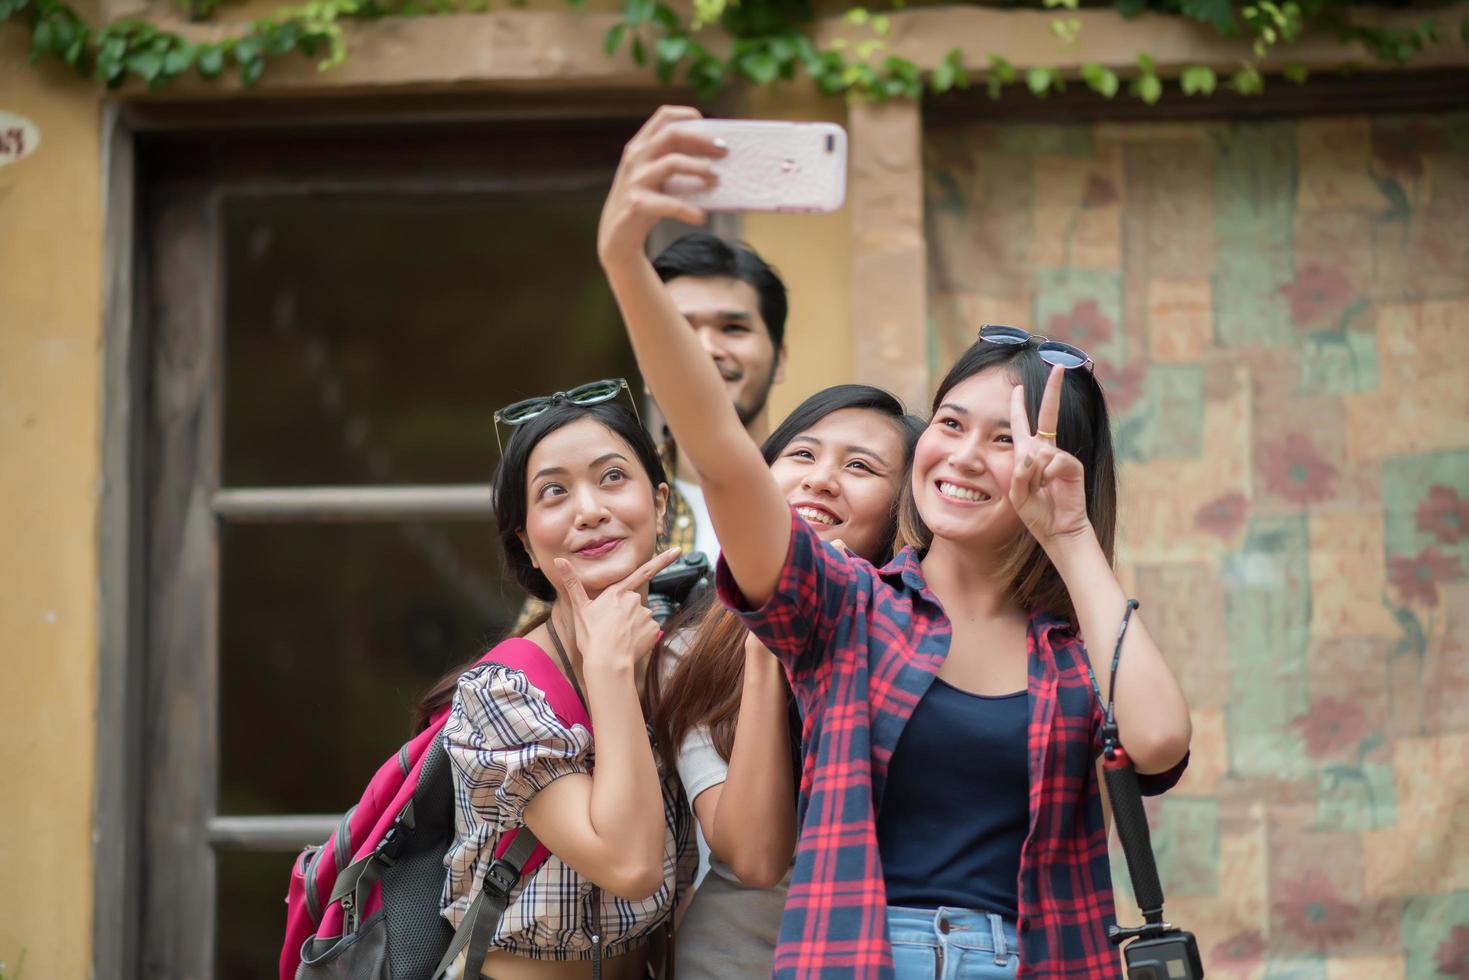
{"x": 736, "y": 303}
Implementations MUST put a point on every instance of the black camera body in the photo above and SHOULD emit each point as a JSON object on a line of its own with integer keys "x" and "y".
{"x": 671, "y": 588}
{"x": 1163, "y": 954}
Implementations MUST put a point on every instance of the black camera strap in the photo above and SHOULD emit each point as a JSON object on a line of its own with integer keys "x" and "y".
{"x": 1159, "y": 950}
{"x": 596, "y": 895}
{"x": 1125, "y": 795}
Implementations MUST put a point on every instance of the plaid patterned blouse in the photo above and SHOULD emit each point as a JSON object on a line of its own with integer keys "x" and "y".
{"x": 862, "y": 645}
{"x": 506, "y": 744}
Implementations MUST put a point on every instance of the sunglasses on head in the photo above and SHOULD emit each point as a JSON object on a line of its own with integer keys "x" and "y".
{"x": 1053, "y": 352}
{"x": 591, "y": 393}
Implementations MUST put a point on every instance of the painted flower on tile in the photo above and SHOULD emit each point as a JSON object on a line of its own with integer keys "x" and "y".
{"x": 1223, "y": 515}
{"x": 1085, "y": 325}
{"x": 1333, "y": 725}
{"x": 1444, "y": 514}
{"x": 1317, "y": 292}
{"x": 1295, "y": 469}
{"x": 1309, "y": 909}
{"x": 1122, "y": 385}
{"x": 1099, "y": 193}
{"x": 1417, "y": 577}
{"x": 1243, "y": 949}
{"x": 1452, "y": 956}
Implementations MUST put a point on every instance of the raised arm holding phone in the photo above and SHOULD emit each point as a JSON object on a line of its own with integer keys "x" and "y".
{"x": 952, "y": 793}
{"x": 683, "y": 380}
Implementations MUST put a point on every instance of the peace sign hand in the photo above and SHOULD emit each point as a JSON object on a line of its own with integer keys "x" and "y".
{"x": 1047, "y": 485}
{"x": 614, "y": 630}
{"x": 637, "y": 201}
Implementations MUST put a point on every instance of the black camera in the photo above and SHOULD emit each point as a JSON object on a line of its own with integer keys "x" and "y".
{"x": 671, "y": 588}
{"x": 1163, "y": 954}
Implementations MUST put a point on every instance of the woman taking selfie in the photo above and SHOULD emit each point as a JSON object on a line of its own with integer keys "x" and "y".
{"x": 724, "y": 716}
{"x": 951, "y": 817}
{"x": 579, "y": 500}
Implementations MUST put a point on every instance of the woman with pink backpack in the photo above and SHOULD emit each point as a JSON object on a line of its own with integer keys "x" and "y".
{"x": 579, "y": 498}
{"x": 532, "y": 780}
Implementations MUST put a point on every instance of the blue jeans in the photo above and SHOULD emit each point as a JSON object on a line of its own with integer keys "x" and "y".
{"x": 951, "y": 944}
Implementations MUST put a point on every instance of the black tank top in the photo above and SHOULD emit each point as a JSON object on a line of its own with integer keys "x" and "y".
{"x": 956, "y": 806}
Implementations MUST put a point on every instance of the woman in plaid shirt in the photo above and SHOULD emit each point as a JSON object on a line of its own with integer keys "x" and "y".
{"x": 580, "y": 495}
{"x": 951, "y": 816}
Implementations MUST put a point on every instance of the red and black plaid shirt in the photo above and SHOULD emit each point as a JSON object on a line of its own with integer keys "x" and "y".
{"x": 862, "y": 645}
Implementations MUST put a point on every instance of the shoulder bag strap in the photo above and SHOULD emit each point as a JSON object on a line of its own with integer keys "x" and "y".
{"x": 596, "y": 895}
{"x": 482, "y": 918}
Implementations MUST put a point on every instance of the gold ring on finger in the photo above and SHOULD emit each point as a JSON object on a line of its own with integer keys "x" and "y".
{"x": 1042, "y": 434}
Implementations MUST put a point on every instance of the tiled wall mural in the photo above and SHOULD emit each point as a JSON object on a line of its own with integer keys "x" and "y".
{"x": 1280, "y": 314}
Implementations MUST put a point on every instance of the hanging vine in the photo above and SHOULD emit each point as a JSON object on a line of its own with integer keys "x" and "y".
{"x": 768, "y": 41}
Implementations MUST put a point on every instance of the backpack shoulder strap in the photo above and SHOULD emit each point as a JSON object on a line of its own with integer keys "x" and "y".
{"x": 525, "y": 656}
{"x": 518, "y": 853}
{"x": 521, "y": 654}
{"x": 482, "y": 918}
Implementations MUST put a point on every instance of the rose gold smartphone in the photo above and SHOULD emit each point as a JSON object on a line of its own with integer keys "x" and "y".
{"x": 771, "y": 166}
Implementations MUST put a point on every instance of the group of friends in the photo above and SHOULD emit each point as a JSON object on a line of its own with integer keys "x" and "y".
{"x": 881, "y": 721}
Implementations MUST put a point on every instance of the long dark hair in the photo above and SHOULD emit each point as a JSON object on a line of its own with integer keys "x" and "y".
{"x": 705, "y": 686}
{"x": 511, "y": 504}
{"x": 1082, "y": 430}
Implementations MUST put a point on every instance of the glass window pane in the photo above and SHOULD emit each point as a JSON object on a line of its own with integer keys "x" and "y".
{"x": 251, "y": 919}
{"x": 329, "y": 634}
{"x": 370, "y": 337}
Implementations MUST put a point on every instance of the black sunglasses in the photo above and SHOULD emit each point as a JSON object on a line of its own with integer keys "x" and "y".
{"x": 1053, "y": 352}
{"x": 591, "y": 393}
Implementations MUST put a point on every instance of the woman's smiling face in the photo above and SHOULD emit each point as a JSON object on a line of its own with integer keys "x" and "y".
{"x": 590, "y": 501}
{"x": 963, "y": 461}
{"x": 842, "y": 476}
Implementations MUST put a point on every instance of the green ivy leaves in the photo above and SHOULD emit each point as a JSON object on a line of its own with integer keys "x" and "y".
{"x": 1147, "y": 85}
{"x": 949, "y": 73}
{"x": 136, "y": 49}
{"x": 1198, "y": 80}
{"x": 770, "y": 42}
{"x": 1218, "y": 14}
{"x": 1101, "y": 80}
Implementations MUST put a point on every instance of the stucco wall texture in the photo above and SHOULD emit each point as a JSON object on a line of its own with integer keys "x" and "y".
{"x": 50, "y": 330}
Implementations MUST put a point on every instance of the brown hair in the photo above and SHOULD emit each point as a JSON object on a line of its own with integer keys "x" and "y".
{"x": 705, "y": 686}
{"x": 1082, "y": 430}
{"x": 707, "y": 680}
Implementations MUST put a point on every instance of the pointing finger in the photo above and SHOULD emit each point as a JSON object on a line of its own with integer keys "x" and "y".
{"x": 574, "y": 590}
{"x": 652, "y": 567}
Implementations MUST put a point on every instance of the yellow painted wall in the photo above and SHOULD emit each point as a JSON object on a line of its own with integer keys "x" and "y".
{"x": 814, "y": 256}
{"x": 50, "y": 325}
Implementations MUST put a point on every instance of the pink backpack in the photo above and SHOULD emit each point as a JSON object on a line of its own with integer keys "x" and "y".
{"x": 365, "y": 905}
